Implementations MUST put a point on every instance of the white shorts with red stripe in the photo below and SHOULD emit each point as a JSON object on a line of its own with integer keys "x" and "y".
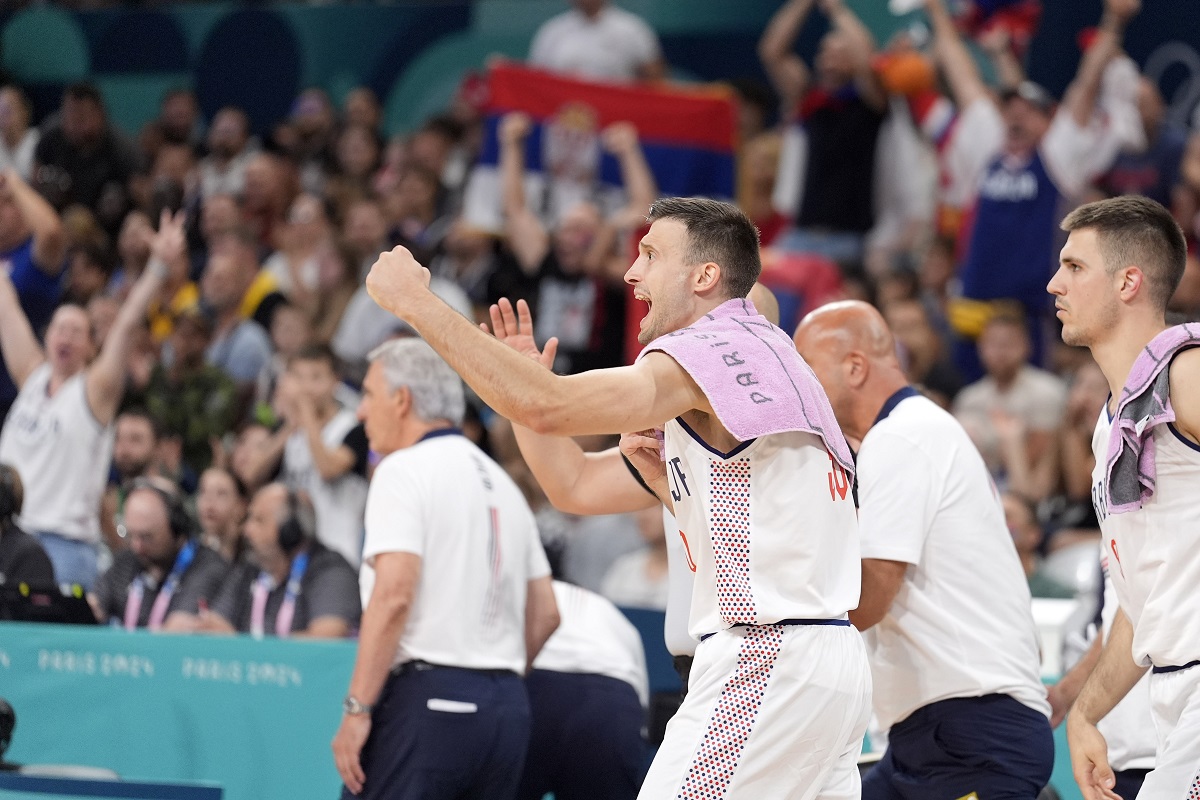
{"x": 775, "y": 711}
{"x": 1175, "y": 702}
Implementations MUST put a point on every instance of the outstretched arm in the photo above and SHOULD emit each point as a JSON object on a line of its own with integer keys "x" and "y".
{"x": 601, "y": 401}
{"x": 574, "y": 481}
{"x": 1080, "y": 99}
{"x": 106, "y": 375}
{"x": 787, "y": 71}
{"x": 49, "y": 238}
{"x": 956, "y": 62}
{"x": 862, "y": 47}
{"x": 22, "y": 353}
{"x": 526, "y": 235}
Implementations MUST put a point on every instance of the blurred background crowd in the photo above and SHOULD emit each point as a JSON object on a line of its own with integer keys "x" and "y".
{"x": 204, "y": 273}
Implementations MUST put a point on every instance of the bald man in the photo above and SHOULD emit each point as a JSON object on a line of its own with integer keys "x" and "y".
{"x": 952, "y": 643}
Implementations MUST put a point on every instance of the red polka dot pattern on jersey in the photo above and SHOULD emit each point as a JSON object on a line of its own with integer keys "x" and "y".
{"x": 1194, "y": 792}
{"x": 733, "y": 718}
{"x": 729, "y": 521}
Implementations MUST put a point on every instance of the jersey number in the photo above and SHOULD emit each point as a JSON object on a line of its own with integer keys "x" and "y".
{"x": 687, "y": 551}
{"x": 839, "y": 482}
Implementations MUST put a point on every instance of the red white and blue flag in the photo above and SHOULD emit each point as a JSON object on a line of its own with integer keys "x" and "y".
{"x": 687, "y": 134}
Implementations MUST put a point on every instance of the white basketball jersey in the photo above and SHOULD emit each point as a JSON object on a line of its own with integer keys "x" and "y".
{"x": 1153, "y": 552}
{"x": 62, "y": 454}
{"x": 770, "y": 528}
{"x": 681, "y": 575}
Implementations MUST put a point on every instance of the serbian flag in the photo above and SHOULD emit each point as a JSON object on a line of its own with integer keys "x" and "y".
{"x": 687, "y": 135}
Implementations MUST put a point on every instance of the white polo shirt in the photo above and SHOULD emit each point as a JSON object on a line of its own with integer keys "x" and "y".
{"x": 961, "y": 624}
{"x": 62, "y": 454}
{"x": 769, "y": 527}
{"x": 444, "y": 500}
{"x": 1152, "y": 552}
{"x": 594, "y": 638}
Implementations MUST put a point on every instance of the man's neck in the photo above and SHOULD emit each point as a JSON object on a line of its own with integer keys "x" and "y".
{"x": 869, "y": 402}
{"x": 13, "y": 137}
{"x": 278, "y": 568}
{"x": 1116, "y": 355}
{"x": 1005, "y": 381}
{"x": 227, "y": 320}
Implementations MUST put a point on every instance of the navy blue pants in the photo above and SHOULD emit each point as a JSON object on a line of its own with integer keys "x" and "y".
{"x": 586, "y": 742}
{"x": 992, "y": 745}
{"x": 441, "y": 733}
{"x": 1129, "y": 782}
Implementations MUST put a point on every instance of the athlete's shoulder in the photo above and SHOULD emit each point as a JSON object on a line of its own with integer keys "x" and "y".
{"x": 1185, "y": 391}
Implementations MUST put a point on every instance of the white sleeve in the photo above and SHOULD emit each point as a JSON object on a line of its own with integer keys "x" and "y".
{"x": 536, "y": 565}
{"x": 897, "y": 498}
{"x": 905, "y": 179}
{"x": 644, "y": 42}
{"x": 1074, "y": 155}
{"x": 395, "y": 522}
{"x": 539, "y": 48}
{"x": 977, "y": 138}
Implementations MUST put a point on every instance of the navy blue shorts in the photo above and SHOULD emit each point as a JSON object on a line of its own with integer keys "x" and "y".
{"x": 442, "y": 733}
{"x": 992, "y": 745}
{"x": 586, "y": 741}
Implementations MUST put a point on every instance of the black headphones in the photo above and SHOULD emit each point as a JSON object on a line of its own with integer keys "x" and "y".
{"x": 299, "y": 525}
{"x": 178, "y": 518}
{"x": 9, "y": 507}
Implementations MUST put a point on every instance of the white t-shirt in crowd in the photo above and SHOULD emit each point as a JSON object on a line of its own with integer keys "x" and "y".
{"x": 613, "y": 46}
{"x": 444, "y": 500}
{"x": 338, "y": 504}
{"x": 594, "y": 638}
{"x": 1152, "y": 551}
{"x": 770, "y": 527}
{"x": 961, "y": 624}
{"x": 62, "y": 454}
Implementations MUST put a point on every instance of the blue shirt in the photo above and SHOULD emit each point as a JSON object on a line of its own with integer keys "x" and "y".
{"x": 1012, "y": 252}
{"x": 39, "y": 295}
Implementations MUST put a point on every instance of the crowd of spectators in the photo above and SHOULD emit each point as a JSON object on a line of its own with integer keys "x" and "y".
{"x": 183, "y": 314}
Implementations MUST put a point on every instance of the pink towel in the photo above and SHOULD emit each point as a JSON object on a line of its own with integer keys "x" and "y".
{"x": 752, "y": 375}
{"x": 1145, "y": 403}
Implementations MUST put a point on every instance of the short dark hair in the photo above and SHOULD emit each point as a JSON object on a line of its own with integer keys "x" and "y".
{"x": 1135, "y": 230}
{"x": 315, "y": 352}
{"x": 85, "y": 90}
{"x": 137, "y": 412}
{"x": 716, "y": 232}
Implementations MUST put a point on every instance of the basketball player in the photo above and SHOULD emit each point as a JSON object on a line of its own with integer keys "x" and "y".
{"x": 1122, "y": 262}
{"x": 779, "y": 692}
{"x": 606, "y": 482}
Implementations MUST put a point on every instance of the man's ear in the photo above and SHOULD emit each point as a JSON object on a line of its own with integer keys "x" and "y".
{"x": 856, "y": 369}
{"x": 1132, "y": 282}
{"x": 707, "y": 276}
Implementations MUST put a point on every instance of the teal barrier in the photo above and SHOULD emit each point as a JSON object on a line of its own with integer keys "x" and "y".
{"x": 255, "y": 717}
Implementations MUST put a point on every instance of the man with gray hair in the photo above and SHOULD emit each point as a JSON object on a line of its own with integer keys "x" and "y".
{"x": 456, "y": 595}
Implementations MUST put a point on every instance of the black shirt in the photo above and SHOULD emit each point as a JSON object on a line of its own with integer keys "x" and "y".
{"x": 22, "y": 559}
{"x": 329, "y": 588}
{"x": 200, "y": 582}
{"x": 94, "y": 176}
{"x": 839, "y": 184}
